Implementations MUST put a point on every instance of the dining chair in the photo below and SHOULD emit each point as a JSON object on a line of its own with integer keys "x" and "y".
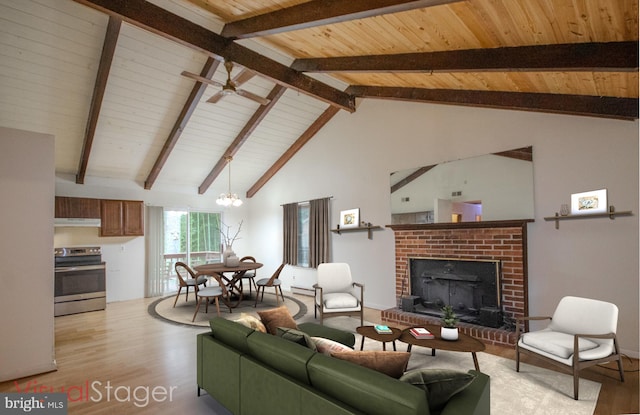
{"x": 270, "y": 282}
{"x": 187, "y": 278}
{"x": 209, "y": 293}
{"x": 581, "y": 333}
{"x": 249, "y": 275}
{"x": 336, "y": 294}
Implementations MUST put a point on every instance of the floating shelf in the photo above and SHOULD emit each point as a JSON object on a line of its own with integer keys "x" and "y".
{"x": 611, "y": 214}
{"x": 369, "y": 230}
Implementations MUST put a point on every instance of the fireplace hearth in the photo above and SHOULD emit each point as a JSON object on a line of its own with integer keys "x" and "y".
{"x": 472, "y": 288}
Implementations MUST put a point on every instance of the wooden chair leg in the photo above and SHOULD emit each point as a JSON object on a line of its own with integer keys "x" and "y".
{"x": 277, "y": 298}
{"x": 206, "y": 304}
{"x": 576, "y": 383}
{"x": 217, "y": 306}
{"x": 186, "y": 298}
{"x": 197, "y": 308}
{"x": 257, "y": 296}
{"x": 620, "y": 369}
{"x": 517, "y": 358}
{"x": 177, "y": 295}
{"x": 282, "y": 295}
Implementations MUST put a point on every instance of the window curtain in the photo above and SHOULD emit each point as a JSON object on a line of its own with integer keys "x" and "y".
{"x": 290, "y": 232}
{"x": 318, "y": 232}
{"x": 154, "y": 286}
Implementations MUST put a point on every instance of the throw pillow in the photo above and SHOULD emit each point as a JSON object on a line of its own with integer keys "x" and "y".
{"x": 277, "y": 317}
{"x": 328, "y": 346}
{"x": 297, "y": 336}
{"x": 438, "y": 384}
{"x": 252, "y": 322}
{"x": 390, "y": 363}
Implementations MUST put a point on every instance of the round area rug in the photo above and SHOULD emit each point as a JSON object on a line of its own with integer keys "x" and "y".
{"x": 183, "y": 312}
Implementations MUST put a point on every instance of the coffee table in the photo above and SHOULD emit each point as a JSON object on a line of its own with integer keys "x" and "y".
{"x": 370, "y": 332}
{"x": 465, "y": 343}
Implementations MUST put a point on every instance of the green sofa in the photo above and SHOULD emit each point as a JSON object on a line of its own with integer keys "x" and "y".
{"x": 254, "y": 373}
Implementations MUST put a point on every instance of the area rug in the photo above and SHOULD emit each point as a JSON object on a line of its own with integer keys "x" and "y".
{"x": 183, "y": 312}
{"x": 532, "y": 391}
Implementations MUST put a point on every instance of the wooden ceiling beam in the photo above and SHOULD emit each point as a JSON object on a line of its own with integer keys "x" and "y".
{"x": 599, "y": 57}
{"x": 313, "y": 129}
{"x": 157, "y": 20}
{"x": 108, "y": 50}
{"x": 188, "y": 108}
{"x": 318, "y": 13}
{"x": 413, "y": 176}
{"x": 275, "y": 94}
{"x": 606, "y": 107}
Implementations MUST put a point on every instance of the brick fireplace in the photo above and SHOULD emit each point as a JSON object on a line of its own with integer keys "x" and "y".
{"x": 504, "y": 241}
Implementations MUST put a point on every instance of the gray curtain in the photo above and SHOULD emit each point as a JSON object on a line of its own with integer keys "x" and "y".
{"x": 318, "y": 232}
{"x": 290, "y": 232}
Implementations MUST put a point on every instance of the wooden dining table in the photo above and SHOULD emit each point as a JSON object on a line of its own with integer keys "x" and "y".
{"x": 232, "y": 284}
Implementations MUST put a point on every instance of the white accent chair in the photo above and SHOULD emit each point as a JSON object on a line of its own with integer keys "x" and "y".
{"x": 335, "y": 293}
{"x": 582, "y": 333}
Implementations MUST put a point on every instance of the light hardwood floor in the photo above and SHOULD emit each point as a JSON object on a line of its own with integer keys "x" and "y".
{"x": 112, "y": 361}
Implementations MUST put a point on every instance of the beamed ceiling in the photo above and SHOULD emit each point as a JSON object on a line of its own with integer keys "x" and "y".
{"x": 132, "y": 89}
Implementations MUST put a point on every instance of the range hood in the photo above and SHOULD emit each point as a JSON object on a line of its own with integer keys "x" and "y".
{"x": 77, "y": 222}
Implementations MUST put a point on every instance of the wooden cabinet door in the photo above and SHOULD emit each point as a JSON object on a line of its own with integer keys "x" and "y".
{"x": 112, "y": 218}
{"x": 77, "y": 207}
{"x": 133, "y": 218}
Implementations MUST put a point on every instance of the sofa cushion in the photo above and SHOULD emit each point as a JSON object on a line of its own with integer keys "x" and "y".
{"x": 317, "y": 330}
{"x": 439, "y": 385}
{"x": 555, "y": 343}
{"x": 340, "y": 300}
{"x": 277, "y": 317}
{"x": 328, "y": 346}
{"x": 231, "y": 333}
{"x": 366, "y": 390}
{"x": 281, "y": 355}
{"x": 390, "y": 363}
{"x": 250, "y": 321}
{"x": 297, "y": 336}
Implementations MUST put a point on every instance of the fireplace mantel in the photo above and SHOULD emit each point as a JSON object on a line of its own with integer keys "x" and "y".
{"x": 462, "y": 225}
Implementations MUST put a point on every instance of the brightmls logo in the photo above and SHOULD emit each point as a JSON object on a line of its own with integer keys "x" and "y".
{"x": 33, "y": 403}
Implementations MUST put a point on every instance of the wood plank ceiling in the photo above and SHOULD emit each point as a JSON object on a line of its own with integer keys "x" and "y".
{"x": 311, "y": 59}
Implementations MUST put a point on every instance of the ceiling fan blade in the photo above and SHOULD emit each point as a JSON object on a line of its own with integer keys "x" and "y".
{"x": 252, "y": 96}
{"x": 244, "y": 76}
{"x": 216, "y": 97}
{"x": 201, "y": 79}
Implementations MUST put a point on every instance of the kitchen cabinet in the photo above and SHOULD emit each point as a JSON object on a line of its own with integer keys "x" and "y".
{"x": 77, "y": 207}
{"x": 122, "y": 218}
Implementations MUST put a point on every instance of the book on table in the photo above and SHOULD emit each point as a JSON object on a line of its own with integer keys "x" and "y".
{"x": 421, "y": 333}
{"x": 381, "y": 329}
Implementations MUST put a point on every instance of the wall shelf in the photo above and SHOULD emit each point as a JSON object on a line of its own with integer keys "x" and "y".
{"x": 369, "y": 230}
{"x": 611, "y": 214}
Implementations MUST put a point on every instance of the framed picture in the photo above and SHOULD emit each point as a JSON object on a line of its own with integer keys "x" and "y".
{"x": 594, "y": 201}
{"x": 349, "y": 218}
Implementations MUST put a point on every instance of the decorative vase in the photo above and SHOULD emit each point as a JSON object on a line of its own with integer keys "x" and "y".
{"x": 232, "y": 261}
{"x": 449, "y": 333}
{"x": 228, "y": 251}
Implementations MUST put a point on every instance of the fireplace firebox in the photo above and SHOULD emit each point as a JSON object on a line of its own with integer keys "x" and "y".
{"x": 471, "y": 287}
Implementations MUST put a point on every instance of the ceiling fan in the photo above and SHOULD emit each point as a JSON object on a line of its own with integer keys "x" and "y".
{"x": 231, "y": 85}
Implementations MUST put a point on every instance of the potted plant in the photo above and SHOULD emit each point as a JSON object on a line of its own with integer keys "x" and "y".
{"x": 449, "y": 329}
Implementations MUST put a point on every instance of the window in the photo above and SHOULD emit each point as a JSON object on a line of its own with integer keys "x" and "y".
{"x": 190, "y": 237}
{"x": 303, "y": 235}
{"x": 306, "y": 233}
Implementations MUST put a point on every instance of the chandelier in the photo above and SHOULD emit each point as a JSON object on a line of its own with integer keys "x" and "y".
{"x": 229, "y": 199}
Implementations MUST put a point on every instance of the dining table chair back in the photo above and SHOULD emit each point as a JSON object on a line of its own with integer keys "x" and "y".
{"x": 270, "y": 282}
{"x": 249, "y": 275}
{"x": 187, "y": 277}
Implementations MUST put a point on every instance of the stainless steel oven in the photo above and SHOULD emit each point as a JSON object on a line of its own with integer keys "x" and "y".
{"x": 80, "y": 280}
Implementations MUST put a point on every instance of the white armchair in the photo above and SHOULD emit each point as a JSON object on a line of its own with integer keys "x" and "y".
{"x": 581, "y": 333}
{"x": 336, "y": 294}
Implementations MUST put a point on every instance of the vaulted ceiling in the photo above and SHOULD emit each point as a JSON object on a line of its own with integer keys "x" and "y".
{"x": 124, "y": 84}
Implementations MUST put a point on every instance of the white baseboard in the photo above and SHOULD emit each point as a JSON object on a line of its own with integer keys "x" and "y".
{"x": 302, "y": 291}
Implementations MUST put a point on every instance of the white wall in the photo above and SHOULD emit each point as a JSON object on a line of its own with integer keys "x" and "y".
{"x": 351, "y": 158}
{"x": 26, "y": 253}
